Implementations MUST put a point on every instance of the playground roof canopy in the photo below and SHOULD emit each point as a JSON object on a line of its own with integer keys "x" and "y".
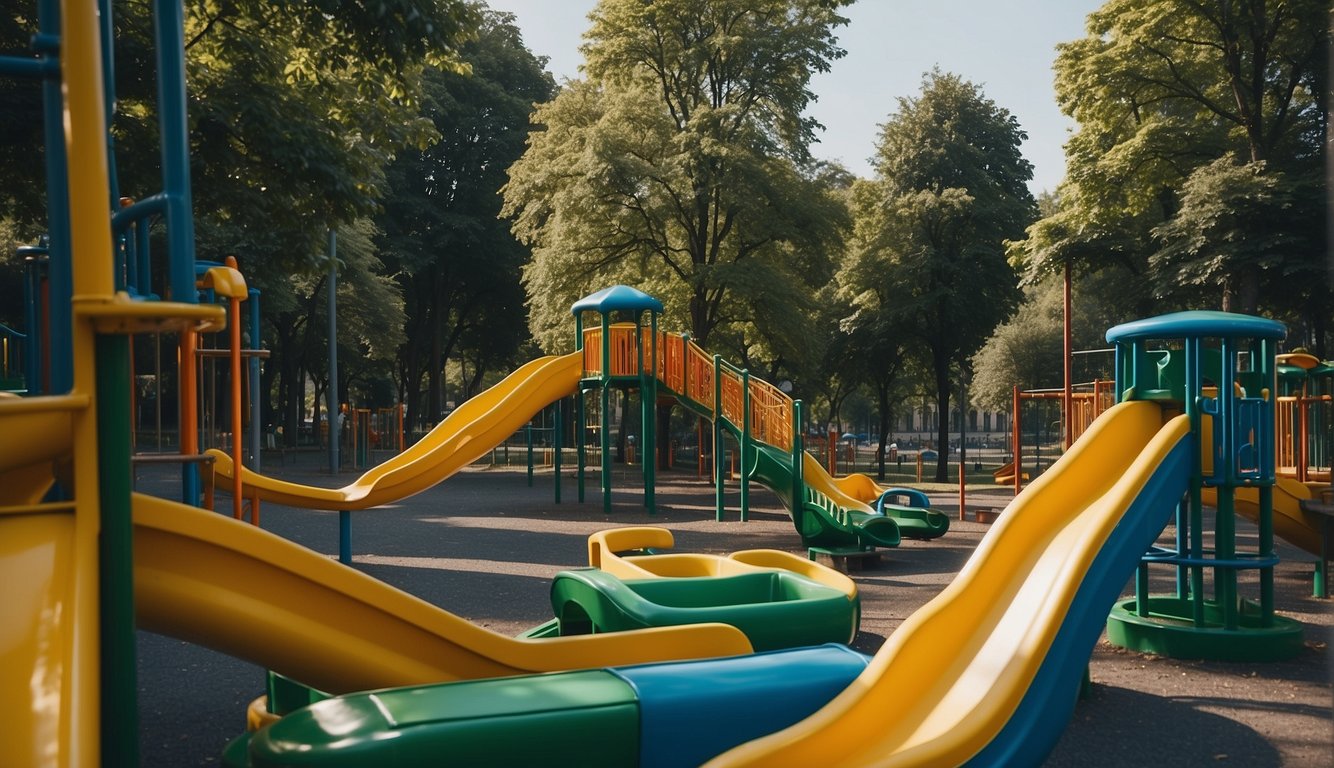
{"x": 1200, "y": 324}
{"x": 617, "y": 297}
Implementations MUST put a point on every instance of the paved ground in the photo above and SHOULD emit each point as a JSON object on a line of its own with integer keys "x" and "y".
{"x": 485, "y": 545}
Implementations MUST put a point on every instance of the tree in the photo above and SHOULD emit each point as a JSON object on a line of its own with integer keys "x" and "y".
{"x": 874, "y": 330}
{"x": 370, "y": 330}
{"x": 1161, "y": 91}
{"x": 455, "y": 259}
{"x": 681, "y": 164}
{"x": 950, "y": 190}
{"x": 294, "y": 107}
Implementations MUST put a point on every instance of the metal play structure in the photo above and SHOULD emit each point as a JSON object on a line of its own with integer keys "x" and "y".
{"x": 1219, "y": 369}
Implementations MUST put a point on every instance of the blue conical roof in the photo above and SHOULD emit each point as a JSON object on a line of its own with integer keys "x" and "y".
{"x": 617, "y": 297}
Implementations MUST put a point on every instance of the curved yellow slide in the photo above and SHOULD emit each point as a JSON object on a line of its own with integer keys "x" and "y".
{"x": 950, "y": 678}
{"x": 211, "y": 580}
{"x": 1291, "y": 523}
{"x": 474, "y": 428}
{"x": 855, "y": 491}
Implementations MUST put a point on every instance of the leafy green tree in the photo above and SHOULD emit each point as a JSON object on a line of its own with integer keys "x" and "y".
{"x": 871, "y": 347}
{"x": 294, "y": 107}
{"x": 370, "y": 330}
{"x": 681, "y": 165}
{"x": 950, "y": 191}
{"x": 455, "y": 259}
{"x": 1161, "y": 90}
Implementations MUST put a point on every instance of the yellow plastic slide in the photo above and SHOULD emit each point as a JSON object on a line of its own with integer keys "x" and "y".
{"x": 950, "y": 678}
{"x": 855, "y": 491}
{"x": 474, "y": 428}
{"x": 211, "y": 580}
{"x": 1291, "y": 522}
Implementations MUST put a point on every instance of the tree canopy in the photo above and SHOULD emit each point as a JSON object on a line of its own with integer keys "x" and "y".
{"x": 1165, "y": 90}
{"x": 681, "y": 164}
{"x": 951, "y": 189}
{"x": 455, "y": 258}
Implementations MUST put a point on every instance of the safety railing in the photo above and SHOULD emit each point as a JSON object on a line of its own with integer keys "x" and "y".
{"x": 688, "y": 371}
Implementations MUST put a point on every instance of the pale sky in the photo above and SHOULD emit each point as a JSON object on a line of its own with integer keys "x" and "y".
{"x": 1007, "y": 48}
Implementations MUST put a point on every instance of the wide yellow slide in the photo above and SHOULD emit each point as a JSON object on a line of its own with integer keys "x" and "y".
{"x": 475, "y": 427}
{"x": 210, "y": 580}
{"x": 949, "y": 679}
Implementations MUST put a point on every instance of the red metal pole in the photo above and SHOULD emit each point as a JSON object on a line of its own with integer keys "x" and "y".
{"x": 1066, "y": 394}
{"x": 1016, "y": 440}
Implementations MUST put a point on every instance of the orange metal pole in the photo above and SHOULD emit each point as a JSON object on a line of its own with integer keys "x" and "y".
{"x": 963, "y": 506}
{"x": 189, "y": 406}
{"x": 1066, "y": 402}
{"x": 1303, "y": 449}
{"x": 1016, "y": 440}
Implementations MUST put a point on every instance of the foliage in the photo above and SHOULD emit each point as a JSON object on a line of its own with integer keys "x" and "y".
{"x": 1162, "y": 90}
{"x": 294, "y": 108}
{"x": 1232, "y": 219}
{"x": 931, "y": 229}
{"x": 455, "y": 259}
{"x": 1025, "y": 351}
{"x": 681, "y": 166}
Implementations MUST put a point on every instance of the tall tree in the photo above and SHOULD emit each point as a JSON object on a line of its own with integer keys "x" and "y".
{"x": 294, "y": 108}
{"x": 455, "y": 259}
{"x": 951, "y": 189}
{"x": 681, "y": 163}
{"x": 1161, "y": 90}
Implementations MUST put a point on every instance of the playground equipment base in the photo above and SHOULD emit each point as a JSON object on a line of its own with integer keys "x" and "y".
{"x": 844, "y": 560}
{"x": 1169, "y": 631}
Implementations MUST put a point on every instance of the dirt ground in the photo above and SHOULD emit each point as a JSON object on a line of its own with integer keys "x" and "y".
{"x": 485, "y": 545}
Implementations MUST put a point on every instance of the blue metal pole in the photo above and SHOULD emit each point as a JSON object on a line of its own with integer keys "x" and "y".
{"x": 59, "y": 266}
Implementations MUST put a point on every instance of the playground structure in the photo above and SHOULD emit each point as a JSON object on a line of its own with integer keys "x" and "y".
{"x": 776, "y": 598}
{"x": 997, "y": 692}
{"x": 1087, "y": 402}
{"x": 1305, "y": 419}
{"x": 986, "y": 672}
{"x": 852, "y": 513}
{"x": 1303, "y": 432}
{"x": 1220, "y": 370}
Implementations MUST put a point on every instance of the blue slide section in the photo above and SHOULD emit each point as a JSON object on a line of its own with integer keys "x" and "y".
{"x": 691, "y": 712}
{"x": 1046, "y": 709}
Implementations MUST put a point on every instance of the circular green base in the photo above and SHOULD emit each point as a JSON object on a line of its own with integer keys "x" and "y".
{"x": 1168, "y": 630}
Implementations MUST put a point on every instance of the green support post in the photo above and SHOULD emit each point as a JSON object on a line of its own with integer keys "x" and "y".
{"x": 556, "y": 447}
{"x": 604, "y": 441}
{"x": 798, "y": 463}
{"x": 648, "y": 396}
{"x": 745, "y": 446}
{"x": 120, "y": 733}
{"x": 580, "y": 415}
{"x": 719, "y": 459}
